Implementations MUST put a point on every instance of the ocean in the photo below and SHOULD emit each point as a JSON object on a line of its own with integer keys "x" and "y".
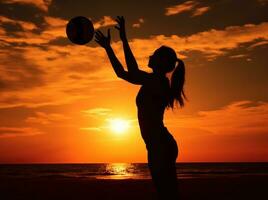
{"x": 129, "y": 170}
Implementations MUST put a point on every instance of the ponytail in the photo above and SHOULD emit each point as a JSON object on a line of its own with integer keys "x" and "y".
{"x": 177, "y": 82}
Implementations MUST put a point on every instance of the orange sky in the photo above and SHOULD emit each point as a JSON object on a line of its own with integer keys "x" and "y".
{"x": 56, "y": 98}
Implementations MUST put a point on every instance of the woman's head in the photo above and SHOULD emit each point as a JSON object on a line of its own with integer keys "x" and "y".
{"x": 164, "y": 60}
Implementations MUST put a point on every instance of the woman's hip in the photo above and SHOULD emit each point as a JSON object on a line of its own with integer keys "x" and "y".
{"x": 163, "y": 147}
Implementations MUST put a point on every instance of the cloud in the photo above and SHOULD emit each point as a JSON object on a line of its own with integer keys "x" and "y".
{"x": 17, "y": 73}
{"x": 104, "y": 22}
{"x": 26, "y": 26}
{"x": 54, "y": 28}
{"x": 99, "y": 115}
{"x": 65, "y": 73}
{"x": 91, "y": 129}
{"x": 180, "y": 8}
{"x": 235, "y": 132}
{"x": 239, "y": 56}
{"x": 7, "y": 132}
{"x": 30, "y": 63}
{"x": 41, "y": 4}
{"x": 263, "y": 2}
{"x": 242, "y": 118}
{"x": 97, "y": 111}
{"x": 200, "y": 11}
{"x": 188, "y": 6}
{"x": 258, "y": 44}
{"x": 46, "y": 118}
{"x": 211, "y": 43}
{"x": 138, "y": 24}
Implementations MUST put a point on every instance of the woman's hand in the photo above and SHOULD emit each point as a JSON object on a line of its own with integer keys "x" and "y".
{"x": 102, "y": 40}
{"x": 121, "y": 27}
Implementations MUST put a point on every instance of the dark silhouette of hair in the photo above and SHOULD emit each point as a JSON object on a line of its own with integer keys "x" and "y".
{"x": 166, "y": 62}
{"x": 177, "y": 83}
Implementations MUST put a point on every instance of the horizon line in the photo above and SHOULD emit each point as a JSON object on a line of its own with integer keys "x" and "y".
{"x": 59, "y": 163}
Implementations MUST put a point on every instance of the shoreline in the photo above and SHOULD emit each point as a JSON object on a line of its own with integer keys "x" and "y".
{"x": 220, "y": 188}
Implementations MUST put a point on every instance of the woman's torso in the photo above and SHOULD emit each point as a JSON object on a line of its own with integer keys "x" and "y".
{"x": 151, "y": 102}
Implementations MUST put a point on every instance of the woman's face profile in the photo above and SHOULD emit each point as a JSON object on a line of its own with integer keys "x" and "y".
{"x": 153, "y": 60}
{"x": 150, "y": 63}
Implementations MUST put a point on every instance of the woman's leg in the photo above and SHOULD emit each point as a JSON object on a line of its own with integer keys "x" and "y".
{"x": 165, "y": 181}
{"x": 162, "y": 165}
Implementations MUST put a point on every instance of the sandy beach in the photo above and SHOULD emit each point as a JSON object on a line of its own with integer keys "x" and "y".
{"x": 220, "y": 188}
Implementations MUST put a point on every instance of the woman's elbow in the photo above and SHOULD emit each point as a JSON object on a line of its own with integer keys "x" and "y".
{"x": 121, "y": 74}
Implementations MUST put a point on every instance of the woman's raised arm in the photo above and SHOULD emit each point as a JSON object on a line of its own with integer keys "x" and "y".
{"x": 105, "y": 43}
{"x": 117, "y": 66}
{"x": 131, "y": 62}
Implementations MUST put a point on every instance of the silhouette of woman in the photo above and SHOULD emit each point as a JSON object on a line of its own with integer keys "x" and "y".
{"x": 155, "y": 94}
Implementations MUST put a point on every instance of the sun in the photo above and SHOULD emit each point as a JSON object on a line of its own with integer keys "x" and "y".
{"x": 119, "y": 125}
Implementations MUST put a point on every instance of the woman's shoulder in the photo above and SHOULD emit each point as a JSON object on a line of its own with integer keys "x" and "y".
{"x": 157, "y": 84}
{"x": 158, "y": 79}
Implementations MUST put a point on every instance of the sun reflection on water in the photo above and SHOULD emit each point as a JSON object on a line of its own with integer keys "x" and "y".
{"x": 119, "y": 171}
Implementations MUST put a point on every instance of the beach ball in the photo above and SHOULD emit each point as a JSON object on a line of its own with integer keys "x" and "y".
{"x": 80, "y": 30}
